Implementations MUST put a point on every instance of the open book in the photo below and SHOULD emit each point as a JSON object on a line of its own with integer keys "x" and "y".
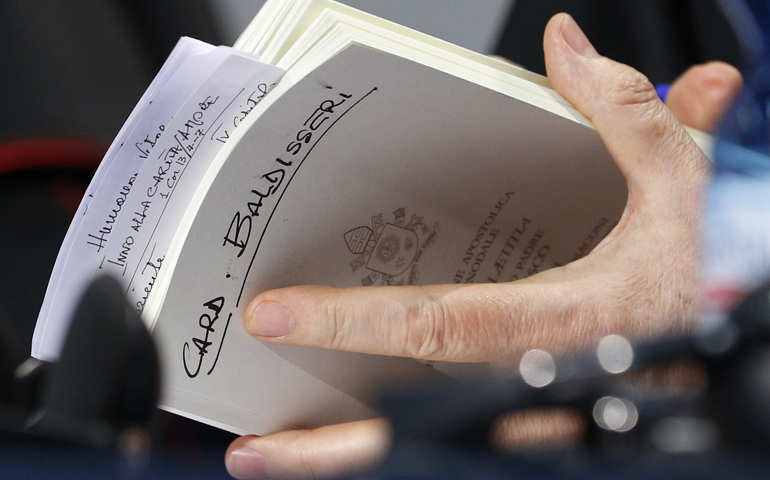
{"x": 327, "y": 147}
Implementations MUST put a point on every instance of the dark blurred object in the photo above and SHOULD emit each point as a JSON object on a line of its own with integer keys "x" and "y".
{"x": 122, "y": 387}
{"x": 742, "y": 146}
{"x": 105, "y": 383}
{"x": 98, "y": 398}
{"x": 36, "y": 207}
{"x": 633, "y": 432}
{"x": 77, "y": 68}
{"x": 92, "y": 413}
{"x": 10, "y": 358}
{"x": 660, "y": 38}
{"x": 739, "y": 214}
{"x": 71, "y": 72}
{"x": 424, "y": 461}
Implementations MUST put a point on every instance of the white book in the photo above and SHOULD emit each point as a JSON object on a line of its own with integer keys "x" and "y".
{"x": 381, "y": 156}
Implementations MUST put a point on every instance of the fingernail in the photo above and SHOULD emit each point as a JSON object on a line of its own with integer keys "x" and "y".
{"x": 246, "y": 464}
{"x": 271, "y": 319}
{"x": 576, "y": 39}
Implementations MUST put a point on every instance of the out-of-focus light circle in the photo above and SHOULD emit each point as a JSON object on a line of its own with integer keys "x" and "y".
{"x": 537, "y": 368}
{"x": 715, "y": 334}
{"x": 615, "y": 354}
{"x": 615, "y": 414}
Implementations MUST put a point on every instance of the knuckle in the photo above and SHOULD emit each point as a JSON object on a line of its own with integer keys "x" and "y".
{"x": 426, "y": 330}
{"x": 306, "y": 461}
{"x": 631, "y": 95}
{"x": 337, "y": 327}
{"x": 631, "y": 89}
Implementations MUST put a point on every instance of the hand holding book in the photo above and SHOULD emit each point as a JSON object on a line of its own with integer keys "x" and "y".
{"x": 639, "y": 282}
{"x": 330, "y": 147}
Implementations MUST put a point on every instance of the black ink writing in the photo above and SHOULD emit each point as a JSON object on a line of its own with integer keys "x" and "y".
{"x": 191, "y": 133}
{"x": 239, "y": 231}
{"x": 99, "y": 239}
{"x": 123, "y": 254}
{"x": 251, "y": 102}
{"x": 155, "y": 270}
{"x": 326, "y": 109}
{"x": 321, "y": 114}
{"x": 138, "y": 219}
{"x": 206, "y": 322}
{"x": 145, "y": 146}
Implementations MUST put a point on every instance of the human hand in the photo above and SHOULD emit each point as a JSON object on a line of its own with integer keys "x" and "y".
{"x": 640, "y": 282}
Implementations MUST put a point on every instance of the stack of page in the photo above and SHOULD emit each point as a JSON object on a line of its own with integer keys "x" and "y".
{"x": 327, "y": 147}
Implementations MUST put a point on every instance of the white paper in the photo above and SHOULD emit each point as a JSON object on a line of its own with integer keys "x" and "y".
{"x": 173, "y": 170}
{"x": 165, "y": 87}
{"x": 371, "y": 170}
{"x": 191, "y": 63}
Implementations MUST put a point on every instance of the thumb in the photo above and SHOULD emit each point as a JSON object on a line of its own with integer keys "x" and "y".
{"x": 639, "y": 281}
{"x": 649, "y": 145}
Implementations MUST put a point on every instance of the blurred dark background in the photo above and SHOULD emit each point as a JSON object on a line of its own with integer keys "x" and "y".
{"x": 660, "y": 38}
{"x": 70, "y": 73}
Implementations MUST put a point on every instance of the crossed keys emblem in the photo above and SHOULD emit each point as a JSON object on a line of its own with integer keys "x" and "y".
{"x": 388, "y": 250}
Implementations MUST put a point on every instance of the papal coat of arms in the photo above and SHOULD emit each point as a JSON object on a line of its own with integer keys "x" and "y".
{"x": 390, "y": 251}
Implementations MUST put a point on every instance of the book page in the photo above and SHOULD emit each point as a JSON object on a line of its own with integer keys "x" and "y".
{"x": 371, "y": 170}
{"x": 190, "y": 63}
{"x": 162, "y": 189}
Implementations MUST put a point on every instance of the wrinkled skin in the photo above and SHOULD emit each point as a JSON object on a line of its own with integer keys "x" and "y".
{"x": 640, "y": 281}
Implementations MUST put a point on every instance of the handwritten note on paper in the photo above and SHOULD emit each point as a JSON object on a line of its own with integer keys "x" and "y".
{"x": 105, "y": 202}
{"x": 371, "y": 170}
{"x": 252, "y": 217}
{"x": 190, "y": 63}
{"x": 161, "y": 191}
